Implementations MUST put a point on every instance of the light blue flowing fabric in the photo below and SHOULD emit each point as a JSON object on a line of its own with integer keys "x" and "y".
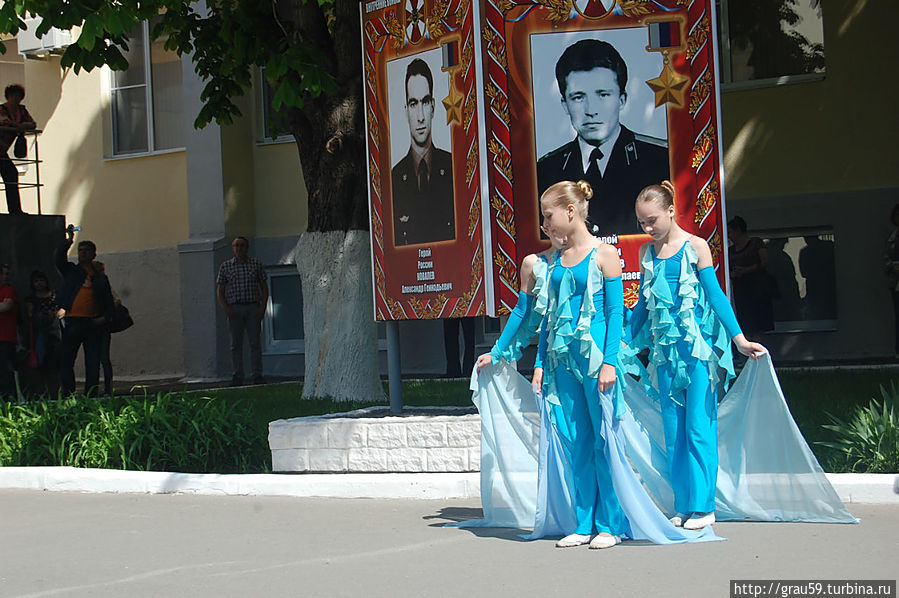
{"x": 766, "y": 470}
{"x": 525, "y": 477}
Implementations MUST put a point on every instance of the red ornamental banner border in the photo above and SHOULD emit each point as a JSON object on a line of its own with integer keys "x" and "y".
{"x": 399, "y": 28}
{"x": 699, "y": 202}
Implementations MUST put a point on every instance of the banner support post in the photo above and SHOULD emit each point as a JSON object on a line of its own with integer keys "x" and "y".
{"x": 394, "y": 377}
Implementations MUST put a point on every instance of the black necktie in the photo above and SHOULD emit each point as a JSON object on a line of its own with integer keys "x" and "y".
{"x": 422, "y": 175}
{"x": 593, "y": 168}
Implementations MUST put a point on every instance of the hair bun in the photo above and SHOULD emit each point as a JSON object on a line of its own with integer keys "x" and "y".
{"x": 668, "y": 186}
{"x": 585, "y": 188}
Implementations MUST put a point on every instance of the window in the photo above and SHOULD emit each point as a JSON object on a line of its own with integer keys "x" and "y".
{"x": 272, "y": 125}
{"x": 770, "y": 42}
{"x": 284, "y": 318}
{"x": 147, "y": 103}
{"x": 801, "y": 280}
{"x": 283, "y": 324}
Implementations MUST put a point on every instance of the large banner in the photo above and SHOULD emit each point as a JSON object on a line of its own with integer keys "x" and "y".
{"x": 475, "y": 108}
{"x": 621, "y": 93}
{"x": 424, "y": 159}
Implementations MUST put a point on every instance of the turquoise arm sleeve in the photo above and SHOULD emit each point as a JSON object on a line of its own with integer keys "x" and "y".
{"x": 541, "y": 348}
{"x": 613, "y": 291}
{"x": 637, "y": 316}
{"x": 513, "y": 325}
{"x": 718, "y": 301}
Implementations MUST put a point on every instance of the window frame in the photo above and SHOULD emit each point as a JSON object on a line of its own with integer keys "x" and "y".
{"x": 272, "y": 346}
{"x": 148, "y": 94}
{"x": 808, "y": 324}
{"x": 723, "y": 50}
{"x": 262, "y": 133}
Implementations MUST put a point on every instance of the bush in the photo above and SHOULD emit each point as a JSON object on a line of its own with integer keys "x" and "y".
{"x": 152, "y": 433}
{"x": 869, "y": 439}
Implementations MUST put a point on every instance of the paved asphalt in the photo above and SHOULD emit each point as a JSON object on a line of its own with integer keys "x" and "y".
{"x": 133, "y": 545}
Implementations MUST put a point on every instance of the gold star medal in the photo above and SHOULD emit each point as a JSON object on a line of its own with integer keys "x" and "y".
{"x": 453, "y": 105}
{"x": 669, "y": 87}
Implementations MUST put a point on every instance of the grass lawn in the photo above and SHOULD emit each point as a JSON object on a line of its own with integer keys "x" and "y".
{"x": 810, "y": 395}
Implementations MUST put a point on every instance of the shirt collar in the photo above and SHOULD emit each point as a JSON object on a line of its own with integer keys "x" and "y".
{"x": 418, "y": 155}
{"x": 606, "y": 149}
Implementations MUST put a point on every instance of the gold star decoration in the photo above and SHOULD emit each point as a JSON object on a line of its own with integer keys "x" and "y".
{"x": 669, "y": 87}
{"x": 453, "y": 105}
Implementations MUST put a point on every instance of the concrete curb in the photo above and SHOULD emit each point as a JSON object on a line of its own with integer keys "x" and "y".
{"x": 871, "y": 488}
{"x": 347, "y": 485}
{"x": 851, "y": 487}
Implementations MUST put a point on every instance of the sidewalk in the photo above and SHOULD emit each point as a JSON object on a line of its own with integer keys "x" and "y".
{"x": 64, "y": 544}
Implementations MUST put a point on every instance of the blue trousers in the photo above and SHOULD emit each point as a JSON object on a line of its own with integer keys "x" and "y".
{"x": 690, "y": 421}
{"x": 596, "y": 505}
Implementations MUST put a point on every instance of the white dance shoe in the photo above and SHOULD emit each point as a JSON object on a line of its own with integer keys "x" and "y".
{"x": 573, "y": 540}
{"x": 697, "y": 521}
{"x": 601, "y": 541}
{"x": 677, "y": 520}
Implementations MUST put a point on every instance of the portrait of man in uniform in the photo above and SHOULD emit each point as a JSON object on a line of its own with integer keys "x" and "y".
{"x": 422, "y": 181}
{"x": 617, "y": 162}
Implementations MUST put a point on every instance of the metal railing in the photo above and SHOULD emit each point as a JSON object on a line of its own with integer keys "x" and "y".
{"x": 22, "y": 164}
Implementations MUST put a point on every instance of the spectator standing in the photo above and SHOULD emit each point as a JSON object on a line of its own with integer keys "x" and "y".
{"x": 43, "y": 326}
{"x": 787, "y": 304}
{"x": 753, "y": 288}
{"x": 106, "y": 340}
{"x": 86, "y": 297}
{"x": 242, "y": 290}
{"x": 8, "y": 319}
{"x": 451, "y": 327}
{"x": 816, "y": 265}
{"x": 13, "y": 115}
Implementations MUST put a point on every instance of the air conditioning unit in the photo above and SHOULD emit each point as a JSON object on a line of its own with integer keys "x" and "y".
{"x": 52, "y": 42}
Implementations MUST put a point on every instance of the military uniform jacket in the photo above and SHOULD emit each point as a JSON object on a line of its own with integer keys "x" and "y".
{"x": 633, "y": 165}
{"x": 427, "y": 215}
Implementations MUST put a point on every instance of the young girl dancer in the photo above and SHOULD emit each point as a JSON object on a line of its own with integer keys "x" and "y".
{"x": 685, "y": 319}
{"x": 577, "y": 355}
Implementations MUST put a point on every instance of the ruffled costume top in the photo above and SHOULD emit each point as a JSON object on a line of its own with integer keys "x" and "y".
{"x": 570, "y": 312}
{"x": 530, "y": 323}
{"x": 679, "y": 329}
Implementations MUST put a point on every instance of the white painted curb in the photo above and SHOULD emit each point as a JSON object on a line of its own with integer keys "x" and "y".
{"x": 873, "y": 488}
{"x": 851, "y": 487}
{"x": 346, "y": 485}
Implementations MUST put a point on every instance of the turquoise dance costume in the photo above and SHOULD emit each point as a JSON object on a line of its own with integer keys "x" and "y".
{"x": 557, "y": 461}
{"x": 766, "y": 470}
{"x": 689, "y": 331}
{"x": 744, "y": 457}
{"x": 582, "y": 333}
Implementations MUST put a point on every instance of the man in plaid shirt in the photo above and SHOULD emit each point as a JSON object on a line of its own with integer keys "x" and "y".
{"x": 242, "y": 289}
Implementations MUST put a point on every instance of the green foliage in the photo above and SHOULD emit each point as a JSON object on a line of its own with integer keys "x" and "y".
{"x": 869, "y": 440}
{"x": 154, "y": 433}
{"x": 225, "y": 41}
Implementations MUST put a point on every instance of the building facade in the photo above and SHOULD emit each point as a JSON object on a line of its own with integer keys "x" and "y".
{"x": 807, "y": 159}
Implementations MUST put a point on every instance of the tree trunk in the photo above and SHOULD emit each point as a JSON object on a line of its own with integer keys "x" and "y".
{"x": 333, "y": 256}
{"x": 340, "y": 331}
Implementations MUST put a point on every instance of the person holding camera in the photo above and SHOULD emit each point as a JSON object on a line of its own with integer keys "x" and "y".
{"x": 86, "y": 297}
